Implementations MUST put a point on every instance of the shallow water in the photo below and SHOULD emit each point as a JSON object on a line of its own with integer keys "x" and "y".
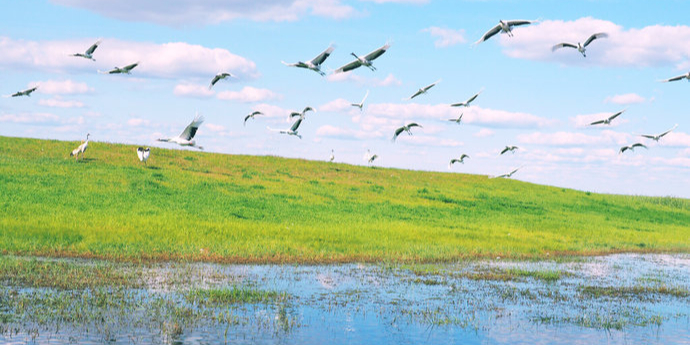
{"x": 616, "y": 299}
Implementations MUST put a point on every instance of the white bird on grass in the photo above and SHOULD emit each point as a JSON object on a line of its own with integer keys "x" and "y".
{"x": 580, "y": 47}
{"x": 218, "y": 77}
{"x": 186, "y": 138}
{"x": 509, "y": 148}
{"x": 251, "y": 116}
{"x": 631, "y": 147}
{"x": 292, "y": 130}
{"x": 683, "y": 76}
{"x": 315, "y": 63}
{"x": 363, "y": 61}
{"x": 658, "y": 136}
{"x": 88, "y": 54}
{"x": 608, "y": 120}
{"x": 503, "y": 27}
{"x": 424, "y": 89}
{"x": 467, "y": 102}
{"x": 26, "y": 92}
{"x": 81, "y": 149}
{"x": 332, "y": 157}
{"x": 508, "y": 175}
{"x": 405, "y": 128}
{"x": 361, "y": 104}
{"x": 460, "y": 160}
{"x": 457, "y": 120}
{"x": 369, "y": 157}
{"x": 121, "y": 70}
{"x": 143, "y": 154}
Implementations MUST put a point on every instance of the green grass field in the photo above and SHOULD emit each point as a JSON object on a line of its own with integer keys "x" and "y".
{"x": 190, "y": 205}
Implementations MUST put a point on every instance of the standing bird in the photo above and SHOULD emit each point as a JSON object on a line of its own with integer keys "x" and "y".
{"x": 630, "y": 147}
{"x": 251, "y": 116}
{"x": 361, "y": 104}
{"x": 81, "y": 149}
{"x": 26, "y": 92}
{"x": 509, "y": 148}
{"x": 363, "y": 61}
{"x": 608, "y": 120}
{"x": 301, "y": 114}
{"x": 332, "y": 157}
{"x": 460, "y": 160}
{"x": 683, "y": 76}
{"x": 405, "y": 128}
{"x": 186, "y": 138}
{"x": 580, "y": 47}
{"x": 143, "y": 154}
{"x": 88, "y": 54}
{"x": 292, "y": 130}
{"x": 508, "y": 175}
{"x": 503, "y": 27}
{"x": 458, "y": 119}
{"x": 658, "y": 136}
{"x": 315, "y": 63}
{"x": 369, "y": 157}
{"x": 467, "y": 102}
{"x": 218, "y": 77}
{"x": 123, "y": 70}
{"x": 424, "y": 89}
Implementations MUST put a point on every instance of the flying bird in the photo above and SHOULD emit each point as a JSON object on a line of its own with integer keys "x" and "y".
{"x": 332, "y": 157}
{"x": 143, "y": 154}
{"x": 81, "y": 149}
{"x": 122, "y": 70}
{"x": 26, "y": 92}
{"x": 361, "y": 104}
{"x": 218, "y": 77}
{"x": 630, "y": 147}
{"x": 251, "y": 116}
{"x": 508, "y": 175}
{"x": 503, "y": 27}
{"x": 467, "y": 102}
{"x": 292, "y": 130}
{"x": 369, "y": 157}
{"x": 88, "y": 54}
{"x": 424, "y": 89}
{"x": 658, "y": 136}
{"x": 313, "y": 64}
{"x": 301, "y": 114}
{"x": 460, "y": 160}
{"x": 509, "y": 148}
{"x": 683, "y": 76}
{"x": 405, "y": 128}
{"x": 186, "y": 138}
{"x": 608, "y": 120}
{"x": 580, "y": 47}
{"x": 457, "y": 120}
{"x": 363, "y": 61}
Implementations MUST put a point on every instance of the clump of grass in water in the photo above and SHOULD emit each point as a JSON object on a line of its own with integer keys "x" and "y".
{"x": 233, "y": 295}
{"x": 634, "y": 292}
{"x": 514, "y": 274}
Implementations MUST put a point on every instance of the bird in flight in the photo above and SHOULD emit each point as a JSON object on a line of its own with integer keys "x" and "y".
{"x": 460, "y": 160}
{"x": 508, "y": 175}
{"x": 26, "y": 92}
{"x": 369, "y": 157}
{"x": 682, "y": 76}
{"x": 658, "y": 136}
{"x": 467, "y": 102}
{"x": 186, "y": 138}
{"x": 218, "y": 77}
{"x": 143, "y": 154}
{"x": 608, "y": 120}
{"x": 251, "y": 116}
{"x": 88, "y": 54}
{"x": 424, "y": 89}
{"x": 361, "y": 104}
{"x": 580, "y": 47}
{"x": 503, "y": 27}
{"x": 315, "y": 63}
{"x": 630, "y": 147}
{"x": 405, "y": 128}
{"x": 509, "y": 148}
{"x": 292, "y": 130}
{"x": 366, "y": 60}
{"x": 457, "y": 120}
{"x": 124, "y": 70}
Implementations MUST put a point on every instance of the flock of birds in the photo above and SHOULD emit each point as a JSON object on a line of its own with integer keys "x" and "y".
{"x": 186, "y": 137}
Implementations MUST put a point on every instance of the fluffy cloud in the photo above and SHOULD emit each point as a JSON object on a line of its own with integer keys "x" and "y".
{"x": 337, "y": 105}
{"x": 59, "y": 103}
{"x": 399, "y": 1}
{"x": 446, "y": 37}
{"x": 29, "y": 118}
{"x": 202, "y": 12}
{"x": 136, "y": 122}
{"x": 61, "y": 87}
{"x": 574, "y": 138}
{"x": 628, "y": 98}
{"x": 249, "y": 94}
{"x": 483, "y": 133}
{"x": 192, "y": 90}
{"x": 390, "y": 80}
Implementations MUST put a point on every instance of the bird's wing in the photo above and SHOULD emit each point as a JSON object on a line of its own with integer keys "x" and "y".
{"x": 365, "y": 97}
{"x": 461, "y": 104}
{"x": 519, "y": 22}
{"x": 323, "y": 56}
{"x": 505, "y": 150}
{"x": 214, "y": 81}
{"x": 376, "y": 53}
{"x": 348, "y": 67}
{"x": 464, "y": 156}
{"x": 397, "y": 132}
{"x": 426, "y": 88}
{"x": 93, "y": 47}
{"x": 373, "y": 157}
{"x": 615, "y": 115}
{"x": 419, "y": 92}
{"x": 130, "y": 67}
{"x": 595, "y": 36}
{"x": 489, "y": 33}
{"x": 562, "y": 45}
{"x": 473, "y": 97}
{"x": 147, "y": 151}
{"x": 294, "y": 113}
{"x": 296, "y": 64}
{"x": 675, "y": 78}
{"x": 597, "y": 122}
{"x": 296, "y": 124}
{"x": 257, "y": 113}
{"x": 191, "y": 129}
{"x": 647, "y": 136}
{"x": 623, "y": 149}
{"x": 414, "y": 124}
{"x": 246, "y": 118}
{"x": 668, "y": 131}
{"x": 140, "y": 153}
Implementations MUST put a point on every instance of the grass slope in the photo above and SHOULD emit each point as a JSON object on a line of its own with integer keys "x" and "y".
{"x": 189, "y": 205}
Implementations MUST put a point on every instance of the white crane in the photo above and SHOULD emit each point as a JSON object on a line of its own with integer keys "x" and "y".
{"x": 460, "y": 160}
{"x": 186, "y": 138}
{"x": 509, "y": 148}
{"x": 508, "y": 175}
{"x": 219, "y": 76}
{"x": 467, "y": 102}
{"x": 26, "y": 92}
{"x": 369, "y": 157}
{"x": 302, "y": 113}
{"x": 80, "y": 149}
{"x": 458, "y": 119}
{"x": 143, "y": 154}
{"x": 424, "y": 89}
{"x": 332, "y": 157}
{"x": 363, "y": 61}
{"x": 580, "y": 47}
{"x": 658, "y": 136}
{"x": 121, "y": 70}
{"x": 251, "y": 116}
{"x": 315, "y": 63}
{"x": 630, "y": 147}
{"x": 503, "y": 27}
{"x": 682, "y": 76}
{"x": 88, "y": 54}
{"x": 608, "y": 120}
{"x": 405, "y": 128}
{"x": 292, "y": 130}
{"x": 361, "y": 104}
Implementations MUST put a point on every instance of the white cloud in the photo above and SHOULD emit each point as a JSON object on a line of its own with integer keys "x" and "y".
{"x": 29, "y": 118}
{"x": 168, "y": 60}
{"x": 483, "y": 133}
{"x": 675, "y": 139}
{"x": 344, "y": 133}
{"x": 390, "y": 79}
{"x": 59, "y": 103}
{"x": 136, "y": 122}
{"x": 203, "y": 12}
{"x": 337, "y": 105}
{"x": 446, "y": 37}
{"x": 399, "y": 1}
{"x": 61, "y": 87}
{"x": 574, "y": 138}
{"x": 249, "y": 94}
{"x": 628, "y": 98}
{"x": 192, "y": 90}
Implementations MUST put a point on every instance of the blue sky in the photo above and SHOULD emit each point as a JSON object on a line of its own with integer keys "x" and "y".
{"x": 531, "y": 97}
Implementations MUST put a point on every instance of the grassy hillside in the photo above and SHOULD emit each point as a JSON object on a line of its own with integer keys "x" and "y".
{"x": 204, "y": 206}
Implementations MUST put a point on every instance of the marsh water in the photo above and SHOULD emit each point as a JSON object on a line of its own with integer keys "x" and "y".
{"x": 616, "y": 299}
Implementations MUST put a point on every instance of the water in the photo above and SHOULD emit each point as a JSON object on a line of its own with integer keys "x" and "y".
{"x": 616, "y": 299}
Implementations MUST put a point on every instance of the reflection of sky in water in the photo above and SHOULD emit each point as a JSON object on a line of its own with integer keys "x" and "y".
{"x": 382, "y": 304}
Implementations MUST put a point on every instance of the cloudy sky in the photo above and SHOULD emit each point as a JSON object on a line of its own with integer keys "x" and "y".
{"x": 531, "y": 97}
